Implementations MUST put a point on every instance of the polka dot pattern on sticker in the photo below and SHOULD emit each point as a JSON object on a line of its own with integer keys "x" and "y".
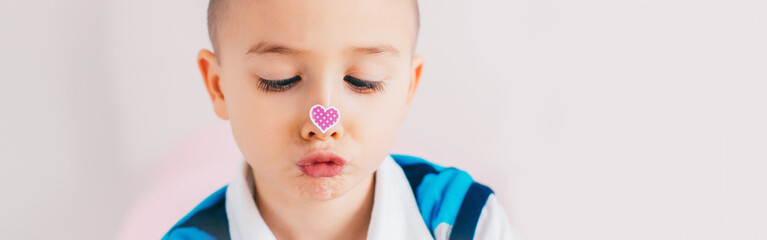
{"x": 324, "y": 118}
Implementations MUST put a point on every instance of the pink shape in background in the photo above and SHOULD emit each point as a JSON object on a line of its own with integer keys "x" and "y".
{"x": 194, "y": 169}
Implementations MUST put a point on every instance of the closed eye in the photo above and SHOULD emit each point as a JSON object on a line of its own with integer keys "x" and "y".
{"x": 277, "y": 85}
{"x": 364, "y": 85}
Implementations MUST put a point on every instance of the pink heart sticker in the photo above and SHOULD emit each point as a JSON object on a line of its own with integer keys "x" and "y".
{"x": 324, "y": 118}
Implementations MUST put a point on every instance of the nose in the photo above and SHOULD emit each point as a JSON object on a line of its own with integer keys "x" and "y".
{"x": 311, "y": 131}
{"x": 323, "y": 90}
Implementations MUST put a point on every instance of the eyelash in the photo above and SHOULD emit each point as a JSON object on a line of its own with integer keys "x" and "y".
{"x": 363, "y": 85}
{"x": 285, "y": 84}
{"x": 277, "y": 85}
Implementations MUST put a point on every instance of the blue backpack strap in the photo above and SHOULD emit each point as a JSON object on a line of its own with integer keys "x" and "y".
{"x": 206, "y": 221}
{"x": 445, "y": 195}
{"x": 468, "y": 215}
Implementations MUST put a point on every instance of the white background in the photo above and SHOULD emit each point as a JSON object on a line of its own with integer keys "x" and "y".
{"x": 590, "y": 119}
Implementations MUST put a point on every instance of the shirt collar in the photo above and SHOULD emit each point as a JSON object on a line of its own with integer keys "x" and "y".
{"x": 395, "y": 213}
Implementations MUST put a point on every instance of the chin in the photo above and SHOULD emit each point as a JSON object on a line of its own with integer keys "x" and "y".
{"x": 321, "y": 189}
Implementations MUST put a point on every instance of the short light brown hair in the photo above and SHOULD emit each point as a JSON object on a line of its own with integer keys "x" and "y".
{"x": 216, "y": 18}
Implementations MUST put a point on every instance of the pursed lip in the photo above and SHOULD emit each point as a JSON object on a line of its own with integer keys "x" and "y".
{"x": 321, "y": 157}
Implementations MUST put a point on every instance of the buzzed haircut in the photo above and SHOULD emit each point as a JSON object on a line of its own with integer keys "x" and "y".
{"x": 216, "y": 18}
{"x": 215, "y": 7}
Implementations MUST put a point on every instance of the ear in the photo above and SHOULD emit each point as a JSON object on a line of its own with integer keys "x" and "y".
{"x": 210, "y": 73}
{"x": 415, "y": 78}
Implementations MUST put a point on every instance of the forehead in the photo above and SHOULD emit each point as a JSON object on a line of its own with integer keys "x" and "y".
{"x": 319, "y": 26}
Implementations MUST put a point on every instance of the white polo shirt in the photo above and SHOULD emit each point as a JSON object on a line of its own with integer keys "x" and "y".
{"x": 395, "y": 213}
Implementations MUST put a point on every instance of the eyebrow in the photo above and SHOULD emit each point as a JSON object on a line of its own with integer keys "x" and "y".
{"x": 382, "y": 48}
{"x": 268, "y": 47}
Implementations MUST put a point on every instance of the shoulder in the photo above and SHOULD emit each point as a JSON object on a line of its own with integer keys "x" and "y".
{"x": 430, "y": 178}
{"x": 450, "y": 201}
{"x": 493, "y": 222}
{"x": 206, "y": 221}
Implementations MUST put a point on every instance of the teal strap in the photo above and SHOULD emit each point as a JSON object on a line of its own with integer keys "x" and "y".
{"x": 206, "y": 221}
{"x": 444, "y": 195}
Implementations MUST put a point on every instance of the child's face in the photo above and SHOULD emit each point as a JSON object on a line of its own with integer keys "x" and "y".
{"x": 326, "y": 44}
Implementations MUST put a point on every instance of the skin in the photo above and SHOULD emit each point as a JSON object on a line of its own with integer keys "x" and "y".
{"x": 367, "y": 39}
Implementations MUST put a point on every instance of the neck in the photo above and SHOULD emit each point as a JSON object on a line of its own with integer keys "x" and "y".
{"x": 345, "y": 217}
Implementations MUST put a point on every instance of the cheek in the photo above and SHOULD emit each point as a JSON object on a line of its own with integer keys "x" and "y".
{"x": 376, "y": 125}
{"x": 374, "y": 137}
{"x": 261, "y": 129}
{"x": 380, "y": 114}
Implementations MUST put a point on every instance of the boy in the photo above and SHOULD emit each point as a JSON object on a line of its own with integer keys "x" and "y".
{"x": 315, "y": 92}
